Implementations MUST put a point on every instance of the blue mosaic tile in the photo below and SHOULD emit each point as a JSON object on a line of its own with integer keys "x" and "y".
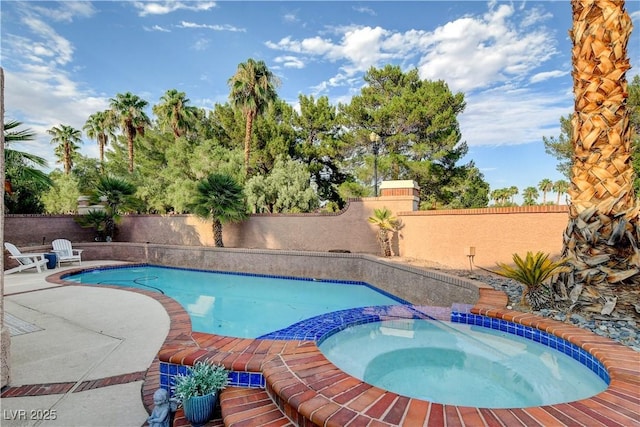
{"x": 542, "y": 337}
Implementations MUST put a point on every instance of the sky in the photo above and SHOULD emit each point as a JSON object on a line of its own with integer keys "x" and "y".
{"x": 511, "y": 59}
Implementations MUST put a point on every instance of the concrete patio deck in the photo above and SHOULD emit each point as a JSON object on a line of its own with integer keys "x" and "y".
{"x": 79, "y": 354}
{"x": 84, "y": 352}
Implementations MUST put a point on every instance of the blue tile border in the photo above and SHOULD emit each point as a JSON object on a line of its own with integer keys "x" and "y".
{"x": 319, "y": 328}
{"x": 557, "y": 343}
{"x": 168, "y": 372}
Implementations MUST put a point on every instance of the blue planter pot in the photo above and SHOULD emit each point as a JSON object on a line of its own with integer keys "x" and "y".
{"x": 199, "y": 409}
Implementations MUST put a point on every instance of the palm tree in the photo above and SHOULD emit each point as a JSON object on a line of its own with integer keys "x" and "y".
{"x": 67, "y": 139}
{"x": 253, "y": 88}
{"x": 530, "y": 195}
{"x": 129, "y": 113}
{"x": 219, "y": 198}
{"x": 174, "y": 112}
{"x": 601, "y": 239}
{"x": 19, "y": 161}
{"x": 560, "y": 187}
{"x": 387, "y": 224}
{"x": 545, "y": 186}
{"x": 511, "y": 193}
{"x": 101, "y": 126}
{"x": 117, "y": 193}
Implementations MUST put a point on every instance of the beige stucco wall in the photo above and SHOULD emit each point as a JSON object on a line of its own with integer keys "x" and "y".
{"x": 439, "y": 236}
{"x": 445, "y": 236}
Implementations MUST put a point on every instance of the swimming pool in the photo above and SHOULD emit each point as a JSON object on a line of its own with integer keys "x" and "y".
{"x": 240, "y": 305}
{"x": 459, "y": 364}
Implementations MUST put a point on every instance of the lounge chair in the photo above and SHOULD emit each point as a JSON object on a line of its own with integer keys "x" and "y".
{"x": 25, "y": 261}
{"x": 65, "y": 252}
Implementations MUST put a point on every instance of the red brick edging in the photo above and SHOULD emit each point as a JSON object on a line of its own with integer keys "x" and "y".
{"x": 312, "y": 391}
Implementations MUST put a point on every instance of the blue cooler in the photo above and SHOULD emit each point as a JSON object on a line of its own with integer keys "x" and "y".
{"x": 52, "y": 260}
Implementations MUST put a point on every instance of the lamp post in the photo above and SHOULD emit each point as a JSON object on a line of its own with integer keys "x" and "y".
{"x": 375, "y": 139}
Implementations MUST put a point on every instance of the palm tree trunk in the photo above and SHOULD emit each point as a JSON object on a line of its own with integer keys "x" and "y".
{"x": 601, "y": 239}
{"x": 247, "y": 141}
{"x": 217, "y": 234}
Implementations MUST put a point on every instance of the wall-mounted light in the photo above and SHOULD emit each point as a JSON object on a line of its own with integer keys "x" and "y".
{"x": 470, "y": 251}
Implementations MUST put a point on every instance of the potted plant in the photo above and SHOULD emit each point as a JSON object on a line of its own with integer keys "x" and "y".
{"x": 198, "y": 391}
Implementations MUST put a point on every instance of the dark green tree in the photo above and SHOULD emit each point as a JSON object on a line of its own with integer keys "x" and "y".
{"x": 321, "y": 146}
{"x": 274, "y": 136}
{"x": 219, "y": 199}
{"x": 411, "y": 126}
{"x": 561, "y": 147}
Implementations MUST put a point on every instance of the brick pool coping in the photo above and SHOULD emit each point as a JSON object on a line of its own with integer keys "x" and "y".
{"x": 310, "y": 390}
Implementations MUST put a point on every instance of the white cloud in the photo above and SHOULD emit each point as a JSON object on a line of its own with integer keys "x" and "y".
{"x": 470, "y": 53}
{"x": 473, "y": 53}
{"x": 364, "y": 9}
{"x": 185, "y": 24}
{"x": 517, "y": 116}
{"x": 289, "y": 61}
{"x": 65, "y": 11}
{"x": 157, "y": 28}
{"x": 162, "y": 8}
{"x": 42, "y": 94}
{"x": 200, "y": 44}
{"x": 546, "y": 75}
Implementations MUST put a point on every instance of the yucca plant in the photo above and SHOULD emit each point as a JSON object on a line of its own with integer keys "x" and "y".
{"x": 532, "y": 272}
{"x": 387, "y": 224}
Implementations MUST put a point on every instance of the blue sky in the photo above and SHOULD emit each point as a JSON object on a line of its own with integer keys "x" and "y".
{"x": 64, "y": 60}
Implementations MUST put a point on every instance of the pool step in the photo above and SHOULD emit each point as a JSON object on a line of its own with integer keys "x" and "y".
{"x": 250, "y": 407}
{"x": 240, "y": 407}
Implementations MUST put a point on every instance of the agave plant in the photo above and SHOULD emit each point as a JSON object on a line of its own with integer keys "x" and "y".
{"x": 532, "y": 272}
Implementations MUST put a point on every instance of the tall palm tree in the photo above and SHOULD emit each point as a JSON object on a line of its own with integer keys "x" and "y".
{"x": 560, "y": 187}
{"x": 101, "y": 126}
{"x": 512, "y": 193}
{"x": 67, "y": 139}
{"x": 601, "y": 239}
{"x": 129, "y": 112}
{"x": 173, "y": 112}
{"x": 253, "y": 88}
{"x": 530, "y": 195}
{"x": 545, "y": 186}
{"x": 219, "y": 198}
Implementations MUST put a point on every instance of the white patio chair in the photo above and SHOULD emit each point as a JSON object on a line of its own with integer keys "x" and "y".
{"x": 65, "y": 252}
{"x": 25, "y": 261}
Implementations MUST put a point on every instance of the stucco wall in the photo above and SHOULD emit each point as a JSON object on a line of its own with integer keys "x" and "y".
{"x": 496, "y": 233}
{"x": 439, "y": 236}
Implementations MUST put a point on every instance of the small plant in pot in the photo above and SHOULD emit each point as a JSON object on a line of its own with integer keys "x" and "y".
{"x": 198, "y": 391}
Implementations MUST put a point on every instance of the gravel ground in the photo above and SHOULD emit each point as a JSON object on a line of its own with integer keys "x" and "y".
{"x": 619, "y": 327}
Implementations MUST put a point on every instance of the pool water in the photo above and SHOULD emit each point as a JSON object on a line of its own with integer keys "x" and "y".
{"x": 459, "y": 364}
{"x": 237, "y": 305}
